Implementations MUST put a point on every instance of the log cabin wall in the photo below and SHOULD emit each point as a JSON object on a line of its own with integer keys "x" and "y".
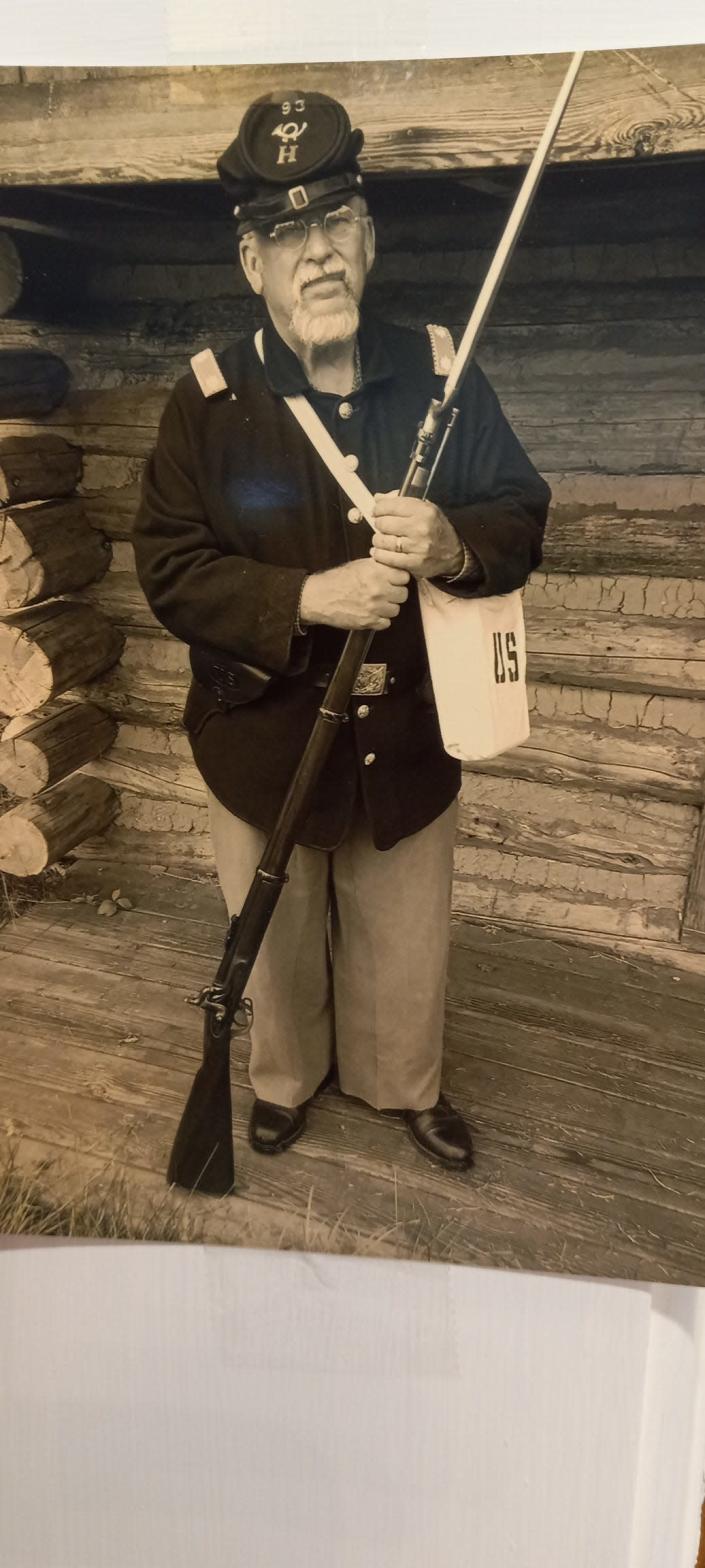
{"x": 47, "y": 640}
{"x": 596, "y": 352}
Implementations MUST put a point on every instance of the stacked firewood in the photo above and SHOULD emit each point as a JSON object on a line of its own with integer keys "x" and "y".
{"x": 49, "y": 641}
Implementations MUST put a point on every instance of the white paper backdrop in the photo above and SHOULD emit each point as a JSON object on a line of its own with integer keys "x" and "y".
{"x": 171, "y": 1406}
{"x": 101, "y": 32}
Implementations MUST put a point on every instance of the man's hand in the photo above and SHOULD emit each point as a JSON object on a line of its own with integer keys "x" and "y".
{"x": 360, "y": 596}
{"x": 413, "y": 534}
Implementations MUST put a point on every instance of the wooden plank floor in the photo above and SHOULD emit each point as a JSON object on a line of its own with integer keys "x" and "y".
{"x": 581, "y": 1069}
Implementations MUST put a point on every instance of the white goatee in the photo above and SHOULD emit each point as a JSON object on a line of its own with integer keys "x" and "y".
{"x": 316, "y": 331}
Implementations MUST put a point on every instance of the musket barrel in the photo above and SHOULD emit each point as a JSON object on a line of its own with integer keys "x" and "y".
{"x": 505, "y": 249}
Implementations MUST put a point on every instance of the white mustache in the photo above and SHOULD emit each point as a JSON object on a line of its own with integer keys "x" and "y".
{"x": 318, "y": 274}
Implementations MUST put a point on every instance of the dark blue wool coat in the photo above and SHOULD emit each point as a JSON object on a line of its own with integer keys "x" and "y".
{"x": 237, "y": 508}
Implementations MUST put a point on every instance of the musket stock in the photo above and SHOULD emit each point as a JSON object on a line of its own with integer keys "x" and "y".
{"x": 202, "y": 1156}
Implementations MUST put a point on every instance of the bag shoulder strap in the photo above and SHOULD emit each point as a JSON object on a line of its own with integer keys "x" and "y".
{"x": 326, "y": 447}
{"x": 442, "y": 349}
{"x": 208, "y": 373}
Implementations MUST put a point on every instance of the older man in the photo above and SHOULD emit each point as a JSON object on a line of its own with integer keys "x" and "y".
{"x": 248, "y": 550}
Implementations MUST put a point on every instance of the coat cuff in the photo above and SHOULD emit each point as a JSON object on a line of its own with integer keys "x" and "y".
{"x": 470, "y": 568}
{"x": 505, "y": 537}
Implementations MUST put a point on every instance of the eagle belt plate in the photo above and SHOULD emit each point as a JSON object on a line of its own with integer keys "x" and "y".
{"x": 371, "y": 681}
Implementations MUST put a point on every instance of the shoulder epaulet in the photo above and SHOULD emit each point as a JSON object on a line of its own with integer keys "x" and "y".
{"x": 442, "y": 348}
{"x": 208, "y": 373}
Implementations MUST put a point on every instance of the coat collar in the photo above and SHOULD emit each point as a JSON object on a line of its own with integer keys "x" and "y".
{"x": 286, "y": 376}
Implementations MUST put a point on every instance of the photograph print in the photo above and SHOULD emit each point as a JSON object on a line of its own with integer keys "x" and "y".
{"x": 352, "y": 658}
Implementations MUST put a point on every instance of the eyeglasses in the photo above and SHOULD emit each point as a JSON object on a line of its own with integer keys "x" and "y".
{"x": 339, "y": 227}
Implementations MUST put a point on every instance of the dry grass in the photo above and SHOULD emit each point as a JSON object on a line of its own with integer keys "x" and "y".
{"x": 105, "y": 1209}
{"x": 17, "y": 894}
{"x": 56, "y": 1196}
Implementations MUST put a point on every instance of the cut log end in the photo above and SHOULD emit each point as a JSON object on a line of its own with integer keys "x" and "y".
{"x": 23, "y": 848}
{"x": 24, "y": 768}
{"x": 47, "y": 548}
{"x": 25, "y": 672}
{"x": 37, "y": 833}
{"x": 48, "y": 649}
{"x": 38, "y": 750}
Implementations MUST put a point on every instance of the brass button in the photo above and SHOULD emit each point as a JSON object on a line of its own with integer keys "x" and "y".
{"x": 354, "y": 515}
{"x": 363, "y": 711}
{"x": 351, "y": 461}
{"x": 369, "y": 759}
{"x": 346, "y": 410}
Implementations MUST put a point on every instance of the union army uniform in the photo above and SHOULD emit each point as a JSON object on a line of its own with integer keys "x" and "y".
{"x": 237, "y": 510}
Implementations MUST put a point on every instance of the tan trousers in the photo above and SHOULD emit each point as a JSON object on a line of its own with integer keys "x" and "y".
{"x": 353, "y": 964}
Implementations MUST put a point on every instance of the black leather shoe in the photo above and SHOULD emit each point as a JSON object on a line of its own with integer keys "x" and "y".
{"x": 274, "y": 1127}
{"x": 441, "y": 1133}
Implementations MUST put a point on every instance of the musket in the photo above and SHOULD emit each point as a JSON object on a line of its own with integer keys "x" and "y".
{"x": 202, "y": 1157}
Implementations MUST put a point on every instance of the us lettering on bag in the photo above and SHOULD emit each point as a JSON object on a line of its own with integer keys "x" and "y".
{"x": 506, "y": 659}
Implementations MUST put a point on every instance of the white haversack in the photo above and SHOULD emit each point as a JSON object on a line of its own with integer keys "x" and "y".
{"x": 477, "y": 658}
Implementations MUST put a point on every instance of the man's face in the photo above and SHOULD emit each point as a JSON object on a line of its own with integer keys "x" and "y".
{"x": 312, "y": 290}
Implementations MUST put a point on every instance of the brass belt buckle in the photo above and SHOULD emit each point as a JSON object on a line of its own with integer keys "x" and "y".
{"x": 371, "y": 681}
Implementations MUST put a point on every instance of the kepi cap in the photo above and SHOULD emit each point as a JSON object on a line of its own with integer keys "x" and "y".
{"x": 293, "y": 150}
